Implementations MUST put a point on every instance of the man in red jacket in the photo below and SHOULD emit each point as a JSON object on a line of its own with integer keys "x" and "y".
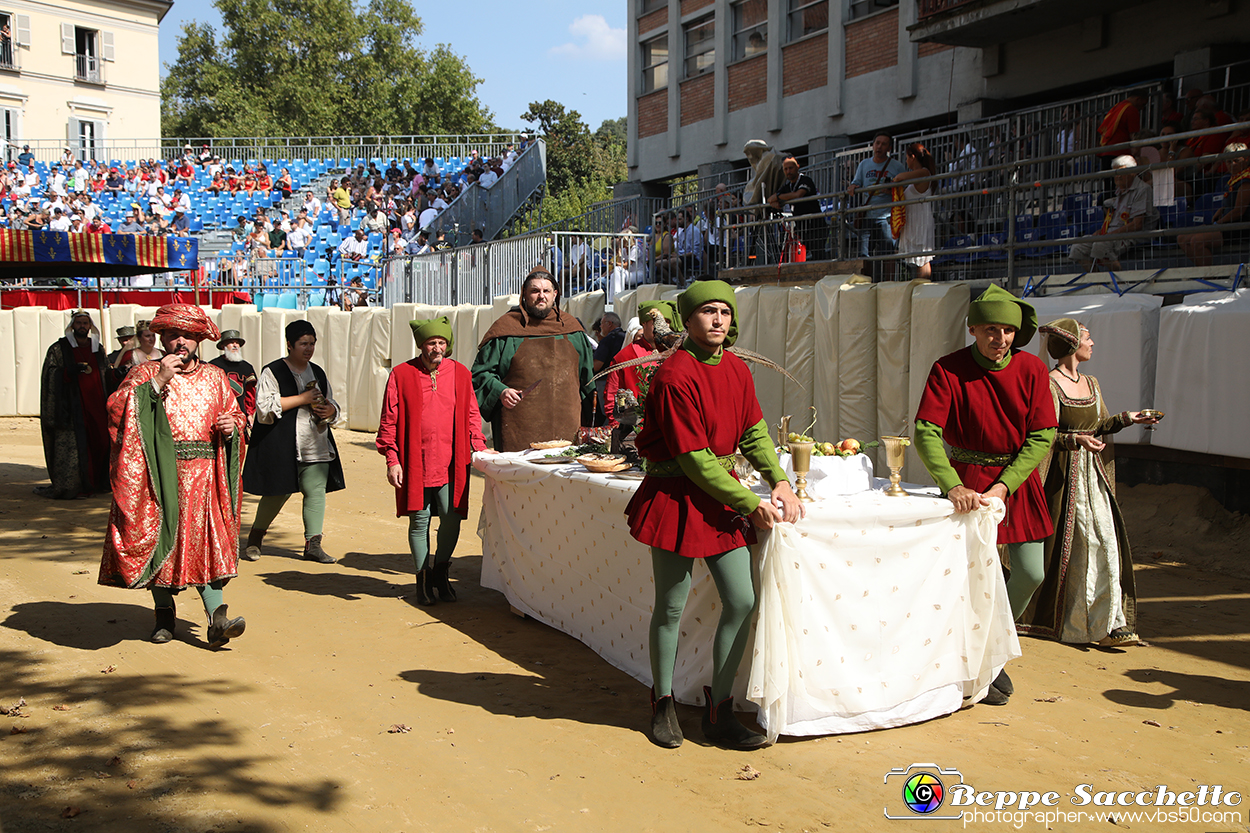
{"x": 429, "y": 429}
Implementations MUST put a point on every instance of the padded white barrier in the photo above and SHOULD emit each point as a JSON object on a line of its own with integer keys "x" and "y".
{"x": 799, "y": 356}
{"x": 334, "y": 348}
{"x": 29, "y": 350}
{"x": 857, "y": 364}
{"x": 587, "y": 307}
{"x": 8, "y": 366}
{"x": 369, "y": 366}
{"x": 825, "y": 321}
{"x": 771, "y": 334}
{"x": 1201, "y": 380}
{"x": 1125, "y": 329}
{"x": 938, "y": 313}
{"x": 894, "y": 325}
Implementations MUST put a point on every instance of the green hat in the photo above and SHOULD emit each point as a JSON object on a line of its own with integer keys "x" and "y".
{"x": 230, "y": 335}
{"x": 126, "y": 331}
{"x": 1065, "y": 337}
{"x": 423, "y": 331}
{"x": 666, "y": 309}
{"x": 998, "y": 306}
{"x": 702, "y": 292}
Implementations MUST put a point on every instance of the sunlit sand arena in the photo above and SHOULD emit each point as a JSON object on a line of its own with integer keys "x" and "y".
{"x": 347, "y": 707}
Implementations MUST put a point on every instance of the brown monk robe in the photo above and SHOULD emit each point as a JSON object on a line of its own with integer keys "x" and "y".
{"x": 537, "y": 346}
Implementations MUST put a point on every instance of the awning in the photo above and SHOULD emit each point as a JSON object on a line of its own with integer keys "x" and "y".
{"x": 62, "y": 254}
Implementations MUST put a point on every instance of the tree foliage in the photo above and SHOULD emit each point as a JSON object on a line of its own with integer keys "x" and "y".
{"x": 317, "y": 68}
{"x": 581, "y": 167}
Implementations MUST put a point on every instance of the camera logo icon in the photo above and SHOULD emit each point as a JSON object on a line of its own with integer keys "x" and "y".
{"x": 923, "y": 790}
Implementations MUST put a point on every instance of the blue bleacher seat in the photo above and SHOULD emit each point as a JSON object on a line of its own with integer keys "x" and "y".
{"x": 956, "y": 242}
{"x": 1054, "y": 220}
{"x": 996, "y": 238}
{"x": 1076, "y": 202}
{"x": 1029, "y": 236}
{"x": 1089, "y": 220}
{"x": 1024, "y": 222}
{"x": 316, "y": 299}
{"x": 288, "y": 300}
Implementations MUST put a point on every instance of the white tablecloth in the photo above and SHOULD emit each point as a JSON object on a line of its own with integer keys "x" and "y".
{"x": 874, "y": 611}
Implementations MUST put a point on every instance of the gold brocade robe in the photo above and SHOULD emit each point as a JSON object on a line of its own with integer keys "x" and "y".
{"x": 175, "y": 516}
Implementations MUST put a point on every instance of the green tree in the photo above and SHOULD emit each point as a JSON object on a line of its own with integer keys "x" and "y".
{"x": 581, "y": 166}
{"x": 317, "y": 67}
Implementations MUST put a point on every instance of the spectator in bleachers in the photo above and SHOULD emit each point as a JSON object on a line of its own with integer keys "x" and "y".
{"x": 57, "y": 180}
{"x": 299, "y": 237}
{"x": 879, "y": 169}
{"x": 800, "y": 192}
{"x": 312, "y": 205}
{"x": 477, "y": 235}
{"x": 1130, "y": 210}
{"x": 180, "y": 199}
{"x": 1168, "y": 114}
{"x": 430, "y": 172}
{"x": 1200, "y": 246}
{"x": 25, "y": 159}
{"x": 264, "y": 182}
{"x": 277, "y": 241}
{"x": 249, "y": 182}
{"x": 1121, "y": 122}
{"x": 354, "y": 248}
{"x": 258, "y": 241}
{"x": 87, "y": 207}
{"x": 78, "y": 179}
{"x": 355, "y": 295}
{"x": 59, "y": 221}
{"x": 99, "y": 226}
{"x": 917, "y": 234}
{"x": 1200, "y": 146}
{"x": 427, "y": 217}
{"x": 180, "y": 226}
{"x": 393, "y": 173}
{"x": 185, "y": 173}
{"x": 488, "y": 178}
{"x": 284, "y": 184}
{"x": 67, "y": 157}
{"x": 131, "y": 225}
{"x": 667, "y": 262}
{"x": 398, "y": 245}
{"x": 341, "y": 198}
{"x": 375, "y": 221}
{"x": 419, "y": 245}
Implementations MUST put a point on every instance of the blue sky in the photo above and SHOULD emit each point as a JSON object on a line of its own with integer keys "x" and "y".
{"x": 572, "y": 52}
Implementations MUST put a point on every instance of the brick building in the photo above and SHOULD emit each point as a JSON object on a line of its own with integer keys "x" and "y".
{"x": 812, "y": 76}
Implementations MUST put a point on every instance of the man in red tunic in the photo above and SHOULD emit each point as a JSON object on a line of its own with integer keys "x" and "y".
{"x": 72, "y": 412}
{"x": 701, "y": 408}
{"x": 991, "y": 403}
{"x": 643, "y": 344}
{"x": 429, "y": 429}
{"x": 177, "y": 460}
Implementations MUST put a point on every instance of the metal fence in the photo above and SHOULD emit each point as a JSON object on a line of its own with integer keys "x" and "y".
{"x": 477, "y": 274}
{"x": 490, "y": 209}
{"x": 353, "y": 149}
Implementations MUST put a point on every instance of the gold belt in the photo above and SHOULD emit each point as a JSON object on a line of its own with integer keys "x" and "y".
{"x": 670, "y": 468}
{"x": 980, "y": 458}
{"x": 194, "y": 450}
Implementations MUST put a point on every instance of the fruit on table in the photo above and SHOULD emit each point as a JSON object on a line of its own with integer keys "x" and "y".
{"x": 851, "y": 445}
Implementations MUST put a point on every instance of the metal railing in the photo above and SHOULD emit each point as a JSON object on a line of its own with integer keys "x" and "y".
{"x": 490, "y": 209}
{"x": 87, "y": 68}
{"x": 291, "y": 148}
{"x": 477, "y": 274}
{"x": 1042, "y": 219}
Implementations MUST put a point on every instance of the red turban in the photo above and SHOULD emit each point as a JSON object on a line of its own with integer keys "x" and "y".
{"x": 186, "y": 317}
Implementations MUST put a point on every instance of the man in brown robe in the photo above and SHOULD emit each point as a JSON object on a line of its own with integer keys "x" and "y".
{"x": 532, "y": 369}
{"x": 72, "y": 413}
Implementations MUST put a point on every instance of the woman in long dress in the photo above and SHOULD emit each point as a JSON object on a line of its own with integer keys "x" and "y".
{"x": 918, "y": 228}
{"x": 1088, "y": 594}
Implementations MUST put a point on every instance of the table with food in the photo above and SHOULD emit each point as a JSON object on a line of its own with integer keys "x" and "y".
{"x": 881, "y": 608}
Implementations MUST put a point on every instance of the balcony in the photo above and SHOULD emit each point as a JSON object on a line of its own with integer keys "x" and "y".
{"x": 87, "y": 68}
{"x": 7, "y": 59}
{"x": 980, "y": 23}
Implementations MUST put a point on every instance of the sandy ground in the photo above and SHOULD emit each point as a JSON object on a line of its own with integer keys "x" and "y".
{"x": 517, "y": 727}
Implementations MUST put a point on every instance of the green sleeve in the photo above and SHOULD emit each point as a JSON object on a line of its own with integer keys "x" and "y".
{"x": 757, "y": 446}
{"x": 585, "y": 364}
{"x": 933, "y": 455}
{"x": 489, "y": 367}
{"x": 701, "y": 467}
{"x": 1036, "y": 444}
{"x": 157, "y": 441}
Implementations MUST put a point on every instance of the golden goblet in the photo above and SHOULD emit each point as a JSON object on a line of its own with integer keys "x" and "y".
{"x": 895, "y": 451}
{"x": 801, "y": 459}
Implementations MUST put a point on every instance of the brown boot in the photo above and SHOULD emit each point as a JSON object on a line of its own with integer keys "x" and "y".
{"x": 166, "y": 619}
{"x": 221, "y": 628}
{"x": 314, "y": 552}
{"x": 254, "y": 539}
{"x": 721, "y": 725}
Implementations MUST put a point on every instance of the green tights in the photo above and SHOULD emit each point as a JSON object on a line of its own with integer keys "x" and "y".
{"x": 437, "y": 502}
{"x": 732, "y": 573}
{"x": 210, "y": 595}
{"x": 1028, "y": 568}
{"x": 312, "y": 485}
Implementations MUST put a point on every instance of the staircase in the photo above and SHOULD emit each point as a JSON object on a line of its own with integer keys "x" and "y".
{"x": 515, "y": 197}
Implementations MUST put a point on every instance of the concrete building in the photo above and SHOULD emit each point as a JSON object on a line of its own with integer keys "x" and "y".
{"x": 79, "y": 72}
{"x": 812, "y": 76}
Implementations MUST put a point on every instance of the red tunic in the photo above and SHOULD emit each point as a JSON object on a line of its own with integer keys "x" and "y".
{"x": 626, "y": 377}
{"x": 991, "y": 411}
{"x": 692, "y": 406}
{"x": 436, "y": 450}
{"x": 94, "y": 411}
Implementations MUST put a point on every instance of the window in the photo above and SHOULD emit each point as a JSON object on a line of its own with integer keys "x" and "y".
{"x": 700, "y": 46}
{"x": 651, "y": 5}
{"x": 655, "y": 64}
{"x": 86, "y": 136}
{"x": 89, "y": 48}
{"x": 750, "y": 28}
{"x": 863, "y": 8}
{"x": 805, "y": 17}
